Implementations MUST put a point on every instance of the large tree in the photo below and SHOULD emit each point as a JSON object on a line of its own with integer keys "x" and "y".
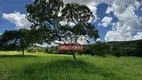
{"x": 47, "y": 15}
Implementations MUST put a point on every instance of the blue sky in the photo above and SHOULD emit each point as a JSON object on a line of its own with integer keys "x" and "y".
{"x": 10, "y": 6}
{"x": 111, "y": 18}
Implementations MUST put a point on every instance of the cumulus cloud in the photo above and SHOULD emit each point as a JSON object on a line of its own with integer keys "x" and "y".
{"x": 137, "y": 4}
{"x": 109, "y": 9}
{"x": 46, "y": 45}
{"x": 18, "y": 19}
{"x": 128, "y": 24}
{"x": 63, "y": 23}
{"x": 138, "y": 36}
{"x": 117, "y": 36}
{"x": 140, "y": 19}
{"x": 79, "y": 1}
{"x": 98, "y": 39}
{"x": 83, "y": 40}
{"x": 106, "y": 21}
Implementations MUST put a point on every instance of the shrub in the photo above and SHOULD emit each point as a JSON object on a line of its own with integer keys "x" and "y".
{"x": 52, "y": 50}
{"x": 31, "y": 50}
{"x": 88, "y": 50}
{"x": 40, "y": 50}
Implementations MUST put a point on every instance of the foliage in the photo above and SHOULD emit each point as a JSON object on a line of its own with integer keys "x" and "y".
{"x": 14, "y": 40}
{"x": 101, "y": 48}
{"x": 139, "y": 48}
{"x": 88, "y": 50}
{"x": 44, "y": 14}
{"x": 97, "y": 49}
{"x": 79, "y": 15}
{"x": 33, "y": 49}
{"x": 52, "y": 50}
{"x": 126, "y": 48}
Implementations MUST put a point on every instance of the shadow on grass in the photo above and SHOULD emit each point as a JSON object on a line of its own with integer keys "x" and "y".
{"x": 63, "y": 70}
{"x": 16, "y": 56}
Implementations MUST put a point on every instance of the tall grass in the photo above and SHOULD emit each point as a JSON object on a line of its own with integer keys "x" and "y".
{"x": 59, "y": 67}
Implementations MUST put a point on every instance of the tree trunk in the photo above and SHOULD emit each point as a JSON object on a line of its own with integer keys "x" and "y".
{"x": 73, "y": 53}
{"x": 23, "y": 52}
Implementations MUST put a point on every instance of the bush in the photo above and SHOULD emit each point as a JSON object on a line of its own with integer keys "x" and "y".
{"x": 89, "y": 50}
{"x": 40, "y": 50}
{"x": 31, "y": 50}
{"x": 52, "y": 50}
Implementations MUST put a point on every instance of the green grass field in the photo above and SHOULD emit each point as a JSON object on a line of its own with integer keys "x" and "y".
{"x": 62, "y": 67}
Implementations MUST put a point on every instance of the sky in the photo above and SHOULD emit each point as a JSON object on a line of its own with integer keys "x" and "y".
{"x": 116, "y": 20}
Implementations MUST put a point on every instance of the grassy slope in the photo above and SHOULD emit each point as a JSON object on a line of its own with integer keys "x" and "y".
{"x": 60, "y": 67}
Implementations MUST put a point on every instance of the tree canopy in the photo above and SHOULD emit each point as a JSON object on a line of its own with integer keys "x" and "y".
{"x": 14, "y": 40}
{"x": 47, "y": 14}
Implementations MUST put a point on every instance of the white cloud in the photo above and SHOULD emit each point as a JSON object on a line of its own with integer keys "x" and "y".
{"x": 46, "y": 45}
{"x": 140, "y": 19}
{"x": 82, "y": 40}
{"x": 18, "y": 19}
{"x": 79, "y": 1}
{"x": 93, "y": 8}
{"x": 138, "y": 36}
{"x": 117, "y": 36}
{"x": 106, "y": 21}
{"x": 109, "y": 9}
{"x": 137, "y": 4}
{"x": 63, "y": 23}
{"x": 128, "y": 24}
{"x": 98, "y": 39}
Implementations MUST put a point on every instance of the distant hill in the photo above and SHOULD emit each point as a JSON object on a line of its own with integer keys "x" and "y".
{"x": 134, "y": 42}
{"x": 126, "y": 48}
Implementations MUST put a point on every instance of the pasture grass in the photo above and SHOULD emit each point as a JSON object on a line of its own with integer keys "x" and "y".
{"x": 41, "y": 66}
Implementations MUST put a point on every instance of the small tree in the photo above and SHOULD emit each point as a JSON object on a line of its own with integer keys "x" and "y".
{"x": 15, "y": 37}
